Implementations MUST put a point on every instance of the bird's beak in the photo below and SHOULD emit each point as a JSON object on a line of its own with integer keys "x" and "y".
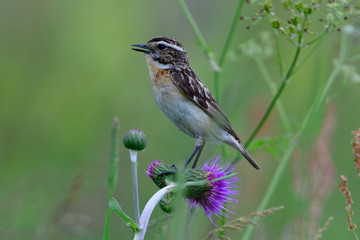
{"x": 141, "y": 48}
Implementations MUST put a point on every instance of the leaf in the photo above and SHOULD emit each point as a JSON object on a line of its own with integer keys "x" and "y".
{"x": 274, "y": 146}
{"x": 115, "y": 207}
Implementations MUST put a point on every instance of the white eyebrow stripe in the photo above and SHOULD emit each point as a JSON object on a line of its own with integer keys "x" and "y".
{"x": 172, "y": 46}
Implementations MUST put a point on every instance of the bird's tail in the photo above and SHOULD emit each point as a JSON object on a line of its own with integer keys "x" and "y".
{"x": 238, "y": 146}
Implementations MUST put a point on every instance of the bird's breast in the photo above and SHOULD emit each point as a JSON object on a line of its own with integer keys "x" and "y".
{"x": 179, "y": 109}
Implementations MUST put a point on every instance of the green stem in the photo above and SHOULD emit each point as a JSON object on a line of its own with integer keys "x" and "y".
{"x": 314, "y": 109}
{"x": 279, "y": 92}
{"x": 113, "y": 159}
{"x": 225, "y": 50}
{"x": 195, "y": 28}
{"x": 272, "y": 187}
{"x": 204, "y": 46}
{"x": 218, "y": 74}
{"x": 317, "y": 38}
{"x": 108, "y": 214}
{"x": 306, "y": 57}
{"x": 276, "y": 97}
{"x": 231, "y": 33}
{"x": 278, "y": 51}
{"x": 134, "y": 163}
{"x": 264, "y": 72}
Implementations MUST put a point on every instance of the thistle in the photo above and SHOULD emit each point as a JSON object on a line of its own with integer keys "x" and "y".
{"x": 210, "y": 194}
{"x": 135, "y": 141}
{"x": 216, "y": 195}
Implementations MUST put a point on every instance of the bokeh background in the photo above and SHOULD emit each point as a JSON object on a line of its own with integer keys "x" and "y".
{"x": 67, "y": 69}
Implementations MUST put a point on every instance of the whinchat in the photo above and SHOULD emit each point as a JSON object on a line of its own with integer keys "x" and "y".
{"x": 185, "y": 100}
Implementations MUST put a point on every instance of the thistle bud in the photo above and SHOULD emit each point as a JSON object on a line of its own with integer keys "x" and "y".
{"x": 167, "y": 203}
{"x": 135, "y": 139}
{"x": 197, "y": 191}
{"x": 161, "y": 172}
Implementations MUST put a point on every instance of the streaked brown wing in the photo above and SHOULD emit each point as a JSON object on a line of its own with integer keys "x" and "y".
{"x": 195, "y": 90}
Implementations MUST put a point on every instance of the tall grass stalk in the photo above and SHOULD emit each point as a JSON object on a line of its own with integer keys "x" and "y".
{"x": 112, "y": 176}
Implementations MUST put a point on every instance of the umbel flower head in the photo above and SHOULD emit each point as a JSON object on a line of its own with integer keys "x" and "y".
{"x": 213, "y": 197}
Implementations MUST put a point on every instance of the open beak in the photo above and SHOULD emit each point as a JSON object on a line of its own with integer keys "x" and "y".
{"x": 141, "y": 48}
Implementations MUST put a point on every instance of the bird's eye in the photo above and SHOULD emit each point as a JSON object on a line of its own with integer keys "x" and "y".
{"x": 161, "y": 46}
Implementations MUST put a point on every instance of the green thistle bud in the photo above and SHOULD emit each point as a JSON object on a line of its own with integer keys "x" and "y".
{"x": 161, "y": 172}
{"x": 135, "y": 139}
{"x": 193, "y": 175}
{"x": 167, "y": 203}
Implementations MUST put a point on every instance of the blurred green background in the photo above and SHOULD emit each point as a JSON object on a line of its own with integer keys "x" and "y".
{"x": 66, "y": 70}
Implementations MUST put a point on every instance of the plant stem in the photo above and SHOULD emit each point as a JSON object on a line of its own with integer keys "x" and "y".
{"x": 218, "y": 74}
{"x": 149, "y": 207}
{"x": 278, "y": 51}
{"x": 314, "y": 109}
{"x": 133, "y": 156}
{"x": 317, "y": 38}
{"x": 225, "y": 50}
{"x": 204, "y": 46}
{"x": 260, "y": 64}
{"x": 278, "y": 94}
{"x": 113, "y": 159}
{"x": 306, "y": 57}
{"x": 194, "y": 26}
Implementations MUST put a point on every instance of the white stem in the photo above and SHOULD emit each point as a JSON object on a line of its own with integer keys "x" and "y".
{"x": 149, "y": 208}
{"x": 133, "y": 157}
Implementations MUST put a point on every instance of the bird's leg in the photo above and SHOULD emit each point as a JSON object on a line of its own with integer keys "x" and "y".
{"x": 198, "y": 155}
{"x": 199, "y": 143}
{"x": 191, "y": 156}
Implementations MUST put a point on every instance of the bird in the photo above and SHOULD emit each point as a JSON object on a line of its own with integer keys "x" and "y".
{"x": 185, "y": 100}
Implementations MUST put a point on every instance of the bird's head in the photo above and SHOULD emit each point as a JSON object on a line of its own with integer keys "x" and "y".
{"x": 164, "y": 51}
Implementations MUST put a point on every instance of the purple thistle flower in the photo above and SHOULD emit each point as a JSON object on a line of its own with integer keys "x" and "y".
{"x": 160, "y": 173}
{"x": 215, "y": 200}
{"x": 213, "y": 197}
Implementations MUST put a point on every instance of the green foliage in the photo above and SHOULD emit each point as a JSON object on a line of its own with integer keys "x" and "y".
{"x": 115, "y": 207}
{"x": 275, "y": 146}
